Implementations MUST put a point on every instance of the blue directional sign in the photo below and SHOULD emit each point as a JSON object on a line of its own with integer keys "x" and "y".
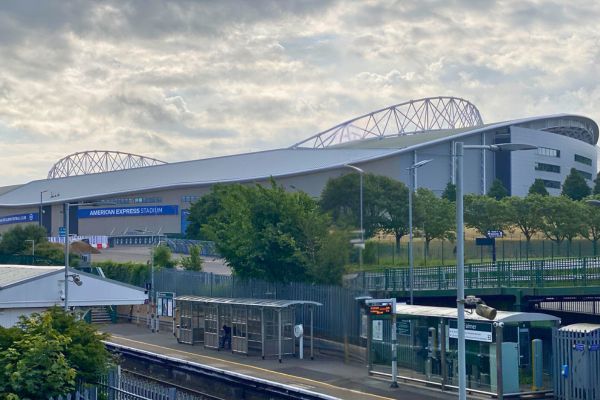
{"x": 137, "y": 211}
{"x": 19, "y": 218}
{"x": 62, "y": 231}
{"x": 495, "y": 234}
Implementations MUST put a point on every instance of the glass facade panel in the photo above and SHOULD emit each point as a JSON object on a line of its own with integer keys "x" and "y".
{"x": 583, "y": 160}
{"x": 547, "y": 167}
{"x": 586, "y": 175}
{"x": 548, "y": 152}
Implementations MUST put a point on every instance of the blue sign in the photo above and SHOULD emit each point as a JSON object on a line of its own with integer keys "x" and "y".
{"x": 579, "y": 347}
{"x": 19, "y": 218}
{"x": 62, "y": 231}
{"x": 137, "y": 211}
{"x": 594, "y": 347}
{"x": 495, "y": 234}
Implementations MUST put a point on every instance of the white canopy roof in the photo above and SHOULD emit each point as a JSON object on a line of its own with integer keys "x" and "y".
{"x": 447, "y": 312}
{"x": 26, "y": 286}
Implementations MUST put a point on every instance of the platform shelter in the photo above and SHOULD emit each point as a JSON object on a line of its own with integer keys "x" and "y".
{"x": 263, "y": 327}
{"x": 510, "y": 355}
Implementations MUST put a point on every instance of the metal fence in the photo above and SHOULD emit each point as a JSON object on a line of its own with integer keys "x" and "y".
{"x": 577, "y": 364}
{"x": 337, "y": 319}
{"x": 533, "y": 273}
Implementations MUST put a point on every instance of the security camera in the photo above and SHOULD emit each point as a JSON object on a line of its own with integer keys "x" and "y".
{"x": 62, "y": 297}
{"x": 486, "y": 311}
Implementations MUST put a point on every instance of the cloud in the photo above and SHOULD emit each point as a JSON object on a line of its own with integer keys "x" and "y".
{"x": 187, "y": 79}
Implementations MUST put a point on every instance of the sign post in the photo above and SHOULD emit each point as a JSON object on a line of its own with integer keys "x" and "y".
{"x": 380, "y": 307}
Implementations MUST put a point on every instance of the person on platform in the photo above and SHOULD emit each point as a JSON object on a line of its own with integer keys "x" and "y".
{"x": 226, "y": 338}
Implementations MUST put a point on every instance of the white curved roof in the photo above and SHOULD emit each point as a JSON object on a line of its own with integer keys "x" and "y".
{"x": 257, "y": 166}
{"x": 447, "y": 312}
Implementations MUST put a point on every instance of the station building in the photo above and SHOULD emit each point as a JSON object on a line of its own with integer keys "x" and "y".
{"x": 156, "y": 197}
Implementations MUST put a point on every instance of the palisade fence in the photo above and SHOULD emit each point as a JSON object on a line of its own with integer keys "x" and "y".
{"x": 125, "y": 385}
{"x": 337, "y": 319}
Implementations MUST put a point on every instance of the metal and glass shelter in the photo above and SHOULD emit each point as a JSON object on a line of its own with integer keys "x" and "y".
{"x": 258, "y": 326}
{"x": 503, "y": 355}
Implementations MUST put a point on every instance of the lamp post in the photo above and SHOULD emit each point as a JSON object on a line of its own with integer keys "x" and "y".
{"x": 362, "y": 231}
{"x": 41, "y": 207}
{"x": 411, "y": 262}
{"x": 67, "y": 208}
{"x": 460, "y": 250}
{"x": 151, "y": 293}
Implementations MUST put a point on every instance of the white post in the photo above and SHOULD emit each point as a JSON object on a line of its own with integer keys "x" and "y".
{"x": 66, "y": 219}
{"x": 394, "y": 347}
{"x": 460, "y": 273}
{"x": 411, "y": 262}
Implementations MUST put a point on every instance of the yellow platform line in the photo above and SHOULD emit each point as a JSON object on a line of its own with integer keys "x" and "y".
{"x": 282, "y": 374}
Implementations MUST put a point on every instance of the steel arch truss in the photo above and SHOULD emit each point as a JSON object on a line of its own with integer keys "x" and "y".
{"x": 414, "y": 116}
{"x": 96, "y": 161}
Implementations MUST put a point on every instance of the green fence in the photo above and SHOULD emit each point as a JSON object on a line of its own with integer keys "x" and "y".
{"x": 28, "y": 260}
{"x": 563, "y": 272}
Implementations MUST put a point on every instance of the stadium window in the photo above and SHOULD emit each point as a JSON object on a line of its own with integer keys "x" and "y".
{"x": 551, "y": 184}
{"x": 189, "y": 198}
{"x": 547, "y": 167}
{"x": 548, "y": 152}
{"x": 586, "y": 175}
{"x": 583, "y": 160}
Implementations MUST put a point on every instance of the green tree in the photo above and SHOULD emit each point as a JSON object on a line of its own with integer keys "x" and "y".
{"x": 393, "y": 208}
{"x": 596, "y": 189}
{"x": 435, "y": 215}
{"x": 450, "y": 192}
{"x": 332, "y": 258}
{"x": 575, "y": 187}
{"x": 201, "y": 210}
{"x": 194, "y": 261}
{"x": 497, "y": 190}
{"x": 525, "y": 214}
{"x": 538, "y": 188}
{"x": 562, "y": 218}
{"x": 485, "y": 214}
{"x": 14, "y": 241}
{"x": 163, "y": 256}
{"x": 35, "y": 366}
{"x": 591, "y": 224}
{"x": 267, "y": 233}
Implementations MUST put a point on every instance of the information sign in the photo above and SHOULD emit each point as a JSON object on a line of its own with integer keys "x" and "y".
{"x": 403, "y": 327}
{"x": 19, "y": 218}
{"x": 378, "y": 329}
{"x": 165, "y": 302}
{"x": 475, "y": 331}
{"x": 495, "y": 234}
{"x": 380, "y": 306}
{"x": 62, "y": 231}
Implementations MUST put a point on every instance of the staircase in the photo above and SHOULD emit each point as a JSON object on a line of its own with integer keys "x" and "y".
{"x": 100, "y": 315}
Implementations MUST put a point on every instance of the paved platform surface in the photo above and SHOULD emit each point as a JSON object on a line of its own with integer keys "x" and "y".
{"x": 327, "y": 375}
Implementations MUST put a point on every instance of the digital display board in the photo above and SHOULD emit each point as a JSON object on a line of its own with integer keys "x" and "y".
{"x": 380, "y": 309}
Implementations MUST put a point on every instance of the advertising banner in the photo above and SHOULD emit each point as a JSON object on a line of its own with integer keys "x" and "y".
{"x": 136, "y": 211}
{"x": 19, "y": 218}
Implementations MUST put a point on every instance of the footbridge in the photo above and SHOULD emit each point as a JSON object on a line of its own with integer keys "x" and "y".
{"x": 570, "y": 285}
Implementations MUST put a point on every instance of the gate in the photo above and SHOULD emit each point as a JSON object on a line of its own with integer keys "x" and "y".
{"x": 577, "y": 362}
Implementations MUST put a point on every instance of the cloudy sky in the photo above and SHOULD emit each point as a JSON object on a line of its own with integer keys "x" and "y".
{"x": 182, "y": 80}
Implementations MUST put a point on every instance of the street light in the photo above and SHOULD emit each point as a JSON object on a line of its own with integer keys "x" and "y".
{"x": 151, "y": 293}
{"x": 67, "y": 208}
{"x": 411, "y": 262}
{"x": 460, "y": 250}
{"x": 362, "y": 231}
{"x": 41, "y": 207}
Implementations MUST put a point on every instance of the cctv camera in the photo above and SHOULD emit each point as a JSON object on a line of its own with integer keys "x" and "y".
{"x": 62, "y": 297}
{"x": 485, "y": 311}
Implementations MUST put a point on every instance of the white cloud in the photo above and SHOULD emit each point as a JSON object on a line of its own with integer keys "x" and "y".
{"x": 181, "y": 80}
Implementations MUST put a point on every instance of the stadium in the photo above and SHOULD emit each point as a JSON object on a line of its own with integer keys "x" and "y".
{"x": 117, "y": 194}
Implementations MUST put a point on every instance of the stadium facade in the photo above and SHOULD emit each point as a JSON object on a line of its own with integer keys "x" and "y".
{"x": 155, "y": 197}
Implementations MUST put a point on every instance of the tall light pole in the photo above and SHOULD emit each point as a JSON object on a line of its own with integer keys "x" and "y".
{"x": 362, "y": 231}
{"x": 411, "y": 261}
{"x": 152, "y": 293}
{"x": 41, "y": 207}
{"x": 460, "y": 250}
{"x": 67, "y": 208}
